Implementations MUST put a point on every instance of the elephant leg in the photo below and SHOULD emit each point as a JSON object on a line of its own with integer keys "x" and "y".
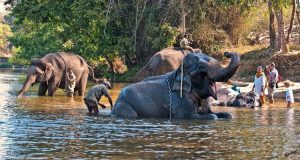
{"x": 204, "y": 108}
{"x": 51, "y": 88}
{"x": 205, "y": 116}
{"x": 82, "y": 84}
{"x": 224, "y": 115}
{"x": 42, "y": 89}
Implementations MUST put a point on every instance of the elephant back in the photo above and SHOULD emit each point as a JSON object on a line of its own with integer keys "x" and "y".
{"x": 162, "y": 62}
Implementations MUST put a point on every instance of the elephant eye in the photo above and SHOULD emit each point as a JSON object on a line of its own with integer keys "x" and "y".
{"x": 39, "y": 73}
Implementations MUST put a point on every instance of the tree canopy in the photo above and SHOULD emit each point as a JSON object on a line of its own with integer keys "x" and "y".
{"x": 132, "y": 30}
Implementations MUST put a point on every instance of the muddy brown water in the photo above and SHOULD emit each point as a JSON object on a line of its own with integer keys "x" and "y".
{"x": 58, "y": 127}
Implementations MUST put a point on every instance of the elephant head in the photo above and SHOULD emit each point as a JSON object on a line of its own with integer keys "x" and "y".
{"x": 38, "y": 71}
{"x": 250, "y": 100}
{"x": 201, "y": 72}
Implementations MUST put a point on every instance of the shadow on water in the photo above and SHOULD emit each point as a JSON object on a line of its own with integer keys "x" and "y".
{"x": 58, "y": 127}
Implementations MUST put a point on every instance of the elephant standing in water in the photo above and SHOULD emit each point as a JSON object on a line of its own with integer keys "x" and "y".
{"x": 162, "y": 62}
{"x": 160, "y": 96}
{"x": 50, "y": 72}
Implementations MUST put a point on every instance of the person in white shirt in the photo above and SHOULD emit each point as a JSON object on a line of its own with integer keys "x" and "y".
{"x": 70, "y": 82}
{"x": 289, "y": 96}
{"x": 260, "y": 84}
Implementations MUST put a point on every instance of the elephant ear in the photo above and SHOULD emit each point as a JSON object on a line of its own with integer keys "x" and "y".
{"x": 186, "y": 83}
{"x": 39, "y": 63}
{"x": 49, "y": 67}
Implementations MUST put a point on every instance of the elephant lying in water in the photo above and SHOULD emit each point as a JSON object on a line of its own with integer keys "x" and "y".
{"x": 50, "y": 72}
{"x": 229, "y": 97}
{"x": 160, "y": 96}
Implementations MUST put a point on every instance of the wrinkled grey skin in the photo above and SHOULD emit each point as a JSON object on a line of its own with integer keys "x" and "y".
{"x": 150, "y": 98}
{"x": 228, "y": 97}
{"x": 49, "y": 71}
{"x": 162, "y": 62}
{"x": 249, "y": 100}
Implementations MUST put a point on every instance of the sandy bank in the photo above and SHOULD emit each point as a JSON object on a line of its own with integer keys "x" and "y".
{"x": 279, "y": 93}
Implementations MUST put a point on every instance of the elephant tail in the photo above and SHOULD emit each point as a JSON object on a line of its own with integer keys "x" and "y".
{"x": 91, "y": 72}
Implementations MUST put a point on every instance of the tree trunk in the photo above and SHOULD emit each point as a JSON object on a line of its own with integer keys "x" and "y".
{"x": 272, "y": 32}
{"x": 128, "y": 60}
{"x": 298, "y": 17}
{"x": 138, "y": 19}
{"x": 183, "y": 14}
{"x": 292, "y": 22}
{"x": 281, "y": 41}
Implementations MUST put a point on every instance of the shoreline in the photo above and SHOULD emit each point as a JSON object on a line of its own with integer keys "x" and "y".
{"x": 279, "y": 93}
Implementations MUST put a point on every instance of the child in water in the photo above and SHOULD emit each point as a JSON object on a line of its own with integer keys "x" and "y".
{"x": 288, "y": 94}
{"x": 70, "y": 83}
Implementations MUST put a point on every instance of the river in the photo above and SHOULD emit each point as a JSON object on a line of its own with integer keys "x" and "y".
{"x": 58, "y": 127}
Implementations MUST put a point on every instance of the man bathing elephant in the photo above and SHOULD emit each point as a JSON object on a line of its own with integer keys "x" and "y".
{"x": 50, "y": 72}
{"x": 160, "y": 96}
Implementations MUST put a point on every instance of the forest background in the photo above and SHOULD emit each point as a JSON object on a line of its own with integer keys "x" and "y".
{"x": 118, "y": 37}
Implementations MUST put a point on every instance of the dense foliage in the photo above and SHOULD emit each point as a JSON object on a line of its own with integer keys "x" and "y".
{"x": 5, "y": 32}
{"x": 131, "y": 30}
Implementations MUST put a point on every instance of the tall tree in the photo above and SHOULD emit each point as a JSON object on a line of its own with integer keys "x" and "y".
{"x": 292, "y": 21}
{"x": 272, "y": 31}
{"x": 282, "y": 45}
{"x": 298, "y": 13}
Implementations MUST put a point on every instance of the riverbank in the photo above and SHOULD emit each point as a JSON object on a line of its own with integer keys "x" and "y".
{"x": 286, "y": 64}
{"x": 278, "y": 94}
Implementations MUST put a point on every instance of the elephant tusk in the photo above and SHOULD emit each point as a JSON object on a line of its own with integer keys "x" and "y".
{"x": 238, "y": 84}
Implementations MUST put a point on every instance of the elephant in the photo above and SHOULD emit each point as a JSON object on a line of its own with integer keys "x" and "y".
{"x": 160, "y": 96}
{"x": 231, "y": 98}
{"x": 167, "y": 60}
{"x": 50, "y": 72}
{"x": 162, "y": 62}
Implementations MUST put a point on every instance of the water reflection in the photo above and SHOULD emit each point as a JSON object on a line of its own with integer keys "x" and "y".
{"x": 58, "y": 127}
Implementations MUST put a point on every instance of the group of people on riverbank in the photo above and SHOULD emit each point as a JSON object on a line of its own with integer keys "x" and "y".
{"x": 269, "y": 80}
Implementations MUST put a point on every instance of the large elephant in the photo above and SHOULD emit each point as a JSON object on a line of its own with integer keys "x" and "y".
{"x": 50, "y": 72}
{"x": 167, "y": 60}
{"x": 162, "y": 62}
{"x": 159, "y": 96}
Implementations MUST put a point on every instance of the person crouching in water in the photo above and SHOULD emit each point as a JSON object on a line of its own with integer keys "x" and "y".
{"x": 70, "y": 82}
{"x": 260, "y": 84}
{"x": 94, "y": 95}
{"x": 289, "y": 96}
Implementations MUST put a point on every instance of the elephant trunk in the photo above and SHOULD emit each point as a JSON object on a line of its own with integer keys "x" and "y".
{"x": 29, "y": 81}
{"x": 91, "y": 72}
{"x": 220, "y": 74}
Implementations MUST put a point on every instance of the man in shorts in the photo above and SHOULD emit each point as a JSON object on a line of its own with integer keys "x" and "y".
{"x": 94, "y": 95}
